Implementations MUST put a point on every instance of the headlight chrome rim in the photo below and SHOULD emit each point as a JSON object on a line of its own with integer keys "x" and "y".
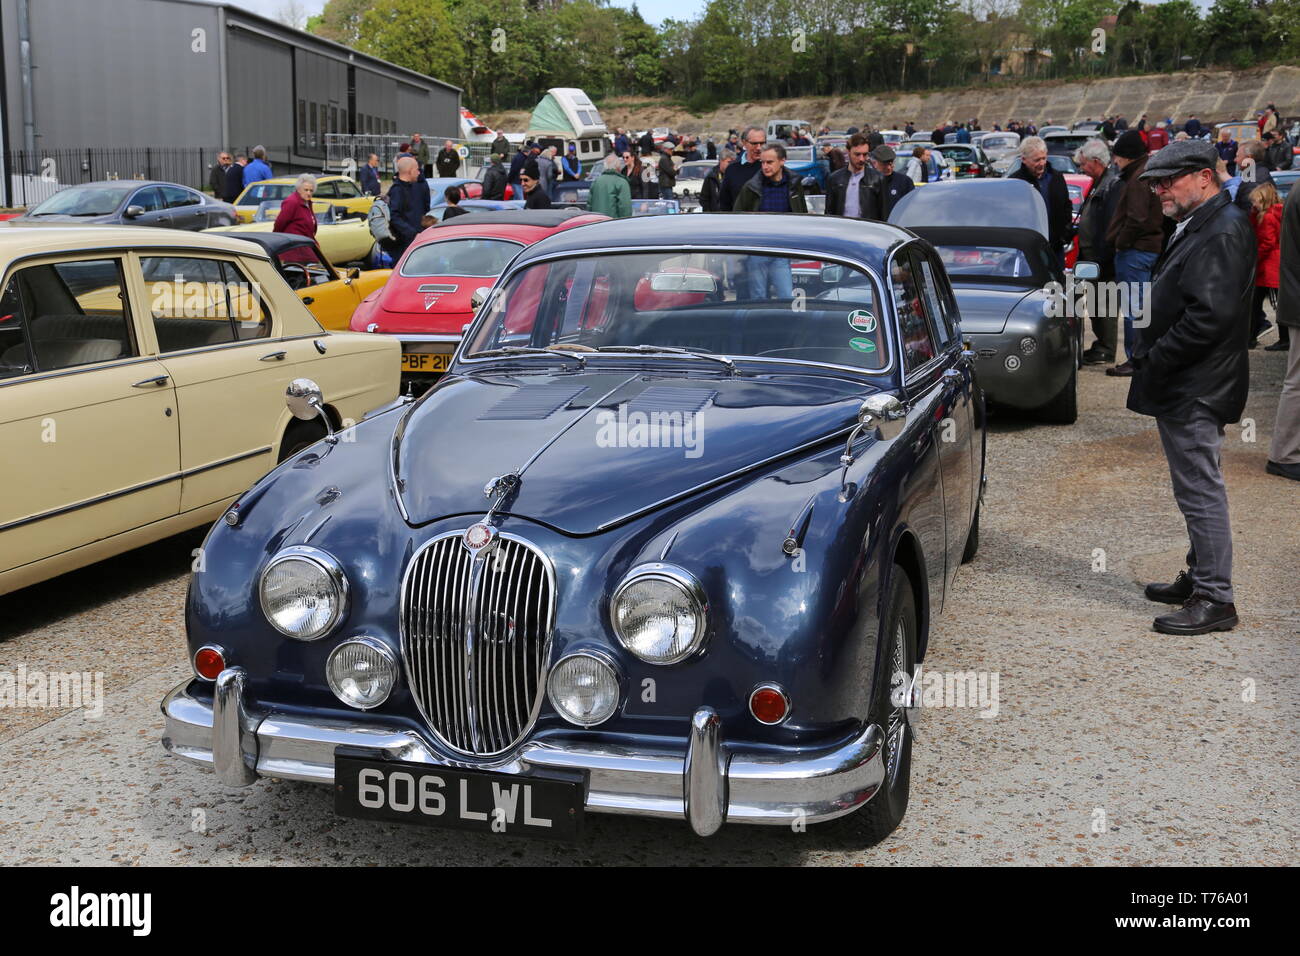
{"x": 599, "y": 657}
{"x": 333, "y": 570}
{"x": 374, "y": 644}
{"x": 691, "y": 588}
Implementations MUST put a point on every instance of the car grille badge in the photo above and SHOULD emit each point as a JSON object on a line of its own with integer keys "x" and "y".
{"x": 478, "y": 536}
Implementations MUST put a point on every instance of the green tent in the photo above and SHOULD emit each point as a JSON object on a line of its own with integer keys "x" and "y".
{"x": 548, "y": 118}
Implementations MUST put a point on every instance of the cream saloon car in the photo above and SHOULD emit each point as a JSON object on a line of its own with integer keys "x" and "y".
{"x": 142, "y": 387}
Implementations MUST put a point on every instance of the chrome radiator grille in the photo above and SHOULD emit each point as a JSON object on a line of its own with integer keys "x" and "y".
{"x": 475, "y": 638}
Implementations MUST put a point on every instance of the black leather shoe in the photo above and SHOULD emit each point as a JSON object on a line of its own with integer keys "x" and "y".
{"x": 1123, "y": 371}
{"x": 1175, "y": 593}
{"x": 1098, "y": 357}
{"x": 1199, "y": 615}
{"x": 1275, "y": 347}
{"x": 1286, "y": 471}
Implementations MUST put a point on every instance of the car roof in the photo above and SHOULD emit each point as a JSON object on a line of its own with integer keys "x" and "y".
{"x": 275, "y": 242}
{"x": 508, "y": 225}
{"x": 972, "y": 203}
{"x": 19, "y": 239}
{"x": 290, "y": 180}
{"x": 833, "y": 236}
{"x": 133, "y": 183}
{"x": 539, "y": 218}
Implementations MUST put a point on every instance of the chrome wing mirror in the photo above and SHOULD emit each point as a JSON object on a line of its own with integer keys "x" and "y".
{"x": 303, "y": 398}
{"x": 883, "y": 414}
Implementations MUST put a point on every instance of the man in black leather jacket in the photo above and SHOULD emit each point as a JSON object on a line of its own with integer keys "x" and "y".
{"x": 1191, "y": 370}
{"x": 866, "y": 201}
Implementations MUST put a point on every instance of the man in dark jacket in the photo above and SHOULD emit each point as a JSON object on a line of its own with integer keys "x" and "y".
{"x": 1137, "y": 232}
{"x": 235, "y": 179}
{"x": 772, "y": 188}
{"x": 534, "y": 195}
{"x": 1277, "y": 151}
{"x": 494, "y": 179}
{"x": 369, "y": 175}
{"x": 408, "y": 201}
{"x": 217, "y": 175}
{"x": 1284, "y": 450}
{"x": 501, "y": 145}
{"x": 667, "y": 172}
{"x": 522, "y": 155}
{"x": 1098, "y": 208}
{"x": 646, "y": 143}
{"x": 1192, "y": 373}
{"x": 753, "y": 140}
{"x": 712, "y": 188}
{"x": 448, "y": 160}
{"x": 1035, "y": 170}
{"x": 894, "y": 185}
{"x": 854, "y": 191}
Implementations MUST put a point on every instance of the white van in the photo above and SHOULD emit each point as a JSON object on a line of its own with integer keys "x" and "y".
{"x": 566, "y": 115}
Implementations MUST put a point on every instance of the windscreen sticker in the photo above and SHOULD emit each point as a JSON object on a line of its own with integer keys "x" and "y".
{"x": 862, "y": 321}
{"x": 862, "y": 345}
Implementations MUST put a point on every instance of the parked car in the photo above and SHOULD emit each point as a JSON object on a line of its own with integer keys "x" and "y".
{"x": 1059, "y": 162}
{"x": 1066, "y": 144}
{"x": 130, "y": 202}
{"x": 893, "y": 137}
{"x": 332, "y": 296}
{"x": 656, "y": 207}
{"x": 430, "y": 296}
{"x": 1284, "y": 179}
{"x": 1045, "y": 131}
{"x": 991, "y": 235}
{"x": 462, "y": 633}
{"x": 469, "y": 188}
{"x": 344, "y": 237}
{"x": 998, "y": 144}
{"x": 479, "y": 205}
{"x": 1092, "y": 127}
{"x": 135, "y": 404}
{"x": 1078, "y": 185}
{"x": 690, "y": 179}
{"x": 966, "y": 161}
{"x": 336, "y": 190}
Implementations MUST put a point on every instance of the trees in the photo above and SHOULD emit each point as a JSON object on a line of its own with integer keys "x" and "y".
{"x": 416, "y": 34}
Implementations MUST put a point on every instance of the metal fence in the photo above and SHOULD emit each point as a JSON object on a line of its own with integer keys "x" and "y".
{"x": 345, "y": 152}
{"x": 31, "y": 177}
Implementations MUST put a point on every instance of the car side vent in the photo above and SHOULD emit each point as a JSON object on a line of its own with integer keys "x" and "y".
{"x": 532, "y": 403}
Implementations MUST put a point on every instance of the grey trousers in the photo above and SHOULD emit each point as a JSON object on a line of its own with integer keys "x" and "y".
{"x": 1192, "y": 449}
{"x": 1285, "y": 447}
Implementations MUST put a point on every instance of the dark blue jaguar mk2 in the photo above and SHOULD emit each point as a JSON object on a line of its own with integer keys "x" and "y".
{"x": 667, "y": 540}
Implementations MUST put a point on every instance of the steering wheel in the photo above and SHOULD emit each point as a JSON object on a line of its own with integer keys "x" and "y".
{"x": 295, "y": 273}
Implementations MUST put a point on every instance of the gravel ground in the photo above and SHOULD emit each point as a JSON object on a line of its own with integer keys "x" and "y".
{"x": 1110, "y": 744}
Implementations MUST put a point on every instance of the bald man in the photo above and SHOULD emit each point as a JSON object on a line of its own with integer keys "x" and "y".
{"x": 408, "y": 201}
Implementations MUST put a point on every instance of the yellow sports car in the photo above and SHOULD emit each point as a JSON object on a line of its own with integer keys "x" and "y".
{"x": 338, "y": 190}
{"x": 142, "y": 387}
{"x": 331, "y": 296}
{"x": 344, "y": 238}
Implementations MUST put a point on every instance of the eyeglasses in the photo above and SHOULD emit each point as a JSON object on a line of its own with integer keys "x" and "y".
{"x": 761, "y": 142}
{"x": 1165, "y": 183}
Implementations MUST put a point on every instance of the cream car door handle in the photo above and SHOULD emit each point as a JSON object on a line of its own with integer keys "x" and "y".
{"x": 158, "y": 381}
{"x": 274, "y": 357}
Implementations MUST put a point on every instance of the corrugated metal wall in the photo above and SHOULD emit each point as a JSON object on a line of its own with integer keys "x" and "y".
{"x": 117, "y": 73}
{"x": 260, "y": 72}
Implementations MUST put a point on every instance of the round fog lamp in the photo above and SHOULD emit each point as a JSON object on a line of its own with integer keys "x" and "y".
{"x": 1028, "y": 344}
{"x": 361, "y": 672}
{"x": 583, "y": 690}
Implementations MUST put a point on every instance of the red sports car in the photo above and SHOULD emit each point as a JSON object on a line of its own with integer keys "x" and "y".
{"x": 428, "y": 300}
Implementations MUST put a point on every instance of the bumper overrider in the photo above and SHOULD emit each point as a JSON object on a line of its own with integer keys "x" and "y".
{"x": 704, "y": 781}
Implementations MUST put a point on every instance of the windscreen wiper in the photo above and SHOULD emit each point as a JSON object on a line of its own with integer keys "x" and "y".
{"x": 670, "y": 350}
{"x": 530, "y": 350}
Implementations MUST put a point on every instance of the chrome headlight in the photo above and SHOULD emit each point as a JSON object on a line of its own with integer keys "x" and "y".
{"x": 304, "y": 593}
{"x": 584, "y": 689}
{"x": 659, "y": 613}
{"x": 361, "y": 672}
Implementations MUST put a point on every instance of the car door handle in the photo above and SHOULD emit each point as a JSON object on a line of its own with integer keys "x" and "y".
{"x": 158, "y": 381}
{"x": 307, "y": 300}
{"x": 273, "y": 357}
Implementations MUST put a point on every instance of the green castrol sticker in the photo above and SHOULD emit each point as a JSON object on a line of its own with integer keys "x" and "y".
{"x": 861, "y": 320}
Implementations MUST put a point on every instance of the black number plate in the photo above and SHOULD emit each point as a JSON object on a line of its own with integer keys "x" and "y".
{"x": 377, "y": 789}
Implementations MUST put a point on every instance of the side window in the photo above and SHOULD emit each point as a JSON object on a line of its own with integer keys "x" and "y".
{"x": 73, "y": 313}
{"x": 936, "y": 300}
{"x": 175, "y": 196}
{"x": 328, "y": 190}
{"x": 346, "y": 188}
{"x": 914, "y": 330}
{"x": 151, "y": 199}
{"x": 198, "y": 302}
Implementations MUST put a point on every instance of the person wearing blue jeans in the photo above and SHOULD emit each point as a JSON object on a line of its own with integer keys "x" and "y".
{"x": 762, "y": 271}
{"x": 1136, "y": 232}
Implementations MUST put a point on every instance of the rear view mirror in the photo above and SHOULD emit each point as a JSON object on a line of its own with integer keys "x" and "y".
{"x": 479, "y": 296}
{"x": 683, "y": 282}
{"x": 832, "y": 274}
{"x": 1087, "y": 270}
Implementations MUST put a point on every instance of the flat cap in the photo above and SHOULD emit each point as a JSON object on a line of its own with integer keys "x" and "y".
{"x": 883, "y": 154}
{"x": 1181, "y": 156}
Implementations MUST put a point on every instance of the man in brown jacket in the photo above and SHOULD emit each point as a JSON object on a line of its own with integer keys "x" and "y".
{"x": 1137, "y": 234}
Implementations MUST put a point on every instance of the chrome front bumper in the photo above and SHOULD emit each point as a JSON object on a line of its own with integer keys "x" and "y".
{"x": 705, "y": 782}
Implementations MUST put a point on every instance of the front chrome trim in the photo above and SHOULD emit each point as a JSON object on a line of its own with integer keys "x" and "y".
{"x": 877, "y": 286}
{"x": 145, "y": 486}
{"x": 689, "y": 584}
{"x": 235, "y": 766}
{"x": 407, "y": 337}
{"x": 468, "y": 591}
{"x": 704, "y": 778}
{"x": 769, "y": 788}
{"x": 327, "y": 563}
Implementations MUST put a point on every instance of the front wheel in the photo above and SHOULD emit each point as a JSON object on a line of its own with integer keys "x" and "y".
{"x": 882, "y": 814}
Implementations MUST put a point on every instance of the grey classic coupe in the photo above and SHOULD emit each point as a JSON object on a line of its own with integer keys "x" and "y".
{"x": 132, "y": 202}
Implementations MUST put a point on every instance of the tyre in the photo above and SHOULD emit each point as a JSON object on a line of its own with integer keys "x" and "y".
{"x": 972, "y": 539}
{"x": 1064, "y": 408}
{"x": 299, "y": 435}
{"x": 881, "y": 815}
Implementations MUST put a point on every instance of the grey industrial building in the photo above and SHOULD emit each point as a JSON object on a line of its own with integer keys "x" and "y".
{"x": 108, "y": 74}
